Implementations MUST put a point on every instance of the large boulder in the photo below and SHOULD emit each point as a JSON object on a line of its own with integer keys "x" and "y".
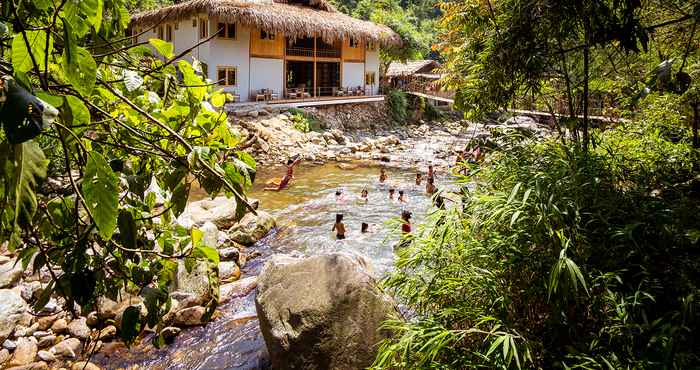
{"x": 12, "y": 308}
{"x": 252, "y": 228}
{"x": 220, "y": 211}
{"x": 193, "y": 284}
{"x": 10, "y": 273}
{"x": 323, "y": 312}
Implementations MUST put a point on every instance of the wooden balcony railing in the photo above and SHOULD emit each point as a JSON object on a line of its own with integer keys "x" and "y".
{"x": 309, "y": 52}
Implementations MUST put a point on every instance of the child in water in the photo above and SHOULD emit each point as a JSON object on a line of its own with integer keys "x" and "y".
{"x": 430, "y": 186}
{"x": 365, "y": 228}
{"x": 406, "y": 224}
{"x": 382, "y": 175}
{"x": 339, "y": 198}
{"x": 402, "y": 199}
{"x": 284, "y": 182}
{"x": 391, "y": 193}
{"x": 364, "y": 195}
{"x": 431, "y": 173}
{"x": 339, "y": 227}
{"x": 419, "y": 178}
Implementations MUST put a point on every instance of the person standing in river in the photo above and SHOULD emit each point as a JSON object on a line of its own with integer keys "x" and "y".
{"x": 364, "y": 195}
{"x": 430, "y": 186}
{"x": 419, "y": 178}
{"x": 391, "y": 194}
{"x": 284, "y": 182}
{"x": 382, "y": 175}
{"x": 431, "y": 172}
{"x": 402, "y": 198}
{"x": 339, "y": 227}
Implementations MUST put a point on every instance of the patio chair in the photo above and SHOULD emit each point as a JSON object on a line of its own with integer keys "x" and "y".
{"x": 260, "y": 95}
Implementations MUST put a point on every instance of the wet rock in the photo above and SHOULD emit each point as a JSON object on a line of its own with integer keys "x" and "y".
{"x": 25, "y": 331}
{"x": 195, "y": 282}
{"x": 12, "y": 308}
{"x": 39, "y": 365}
{"x": 252, "y": 228}
{"x": 67, "y": 349}
{"x": 10, "y": 273}
{"x": 321, "y": 312}
{"x": 237, "y": 289}
{"x": 190, "y": 316}
{"x": 83, "y": 365}
{"x": 220, "y": 211}
{"x": 92, "y": 320}
{"x": 169, "y": 333}
{"x": 24, "y": 353}
{"x": 338, "y": 136}
{"x": 79, "y": 328}
{"x": 47, "y": 341}
{"x": 211, "y": 234}
{"x": 40, "y": 334}
{"x": 108, "y": 332}
{"x": 107, "y": 308}
{"x": 46, "y": 356}
{"x": 30, "y": 290}
{"x": 229, "y": 271}
{"x": 59, "y": 326}
{"x": 233, "y": 254}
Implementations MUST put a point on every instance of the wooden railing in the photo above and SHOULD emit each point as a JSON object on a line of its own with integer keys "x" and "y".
{"x": 309, "y": 52}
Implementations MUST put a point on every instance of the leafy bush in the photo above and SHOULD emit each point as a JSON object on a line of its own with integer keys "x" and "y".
{"x": 398, "y": 105}
{"x": 303, "y": 121}
{"x": 559, "y": 259}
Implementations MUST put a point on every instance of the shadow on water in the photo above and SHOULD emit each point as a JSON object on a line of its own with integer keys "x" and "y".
{"x": 305, "y": 214}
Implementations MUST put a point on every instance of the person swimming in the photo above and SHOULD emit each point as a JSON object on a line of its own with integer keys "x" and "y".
{"x": 364, "y": 195}
{"x": 391, "y": 193}
{"x": 339, "y": 196}
{"x": 339, "y": 227}
{"x": 365, "y": 228}
{"x": 382, "y": 175}
{"x": 284, "y": 182}
{"x": 431, "y": 172}
{"x": 419, "y": 178}
{"x": 406, "y": 222}
{"x": 402, "y": 198}
{"x": 430, "y": 186}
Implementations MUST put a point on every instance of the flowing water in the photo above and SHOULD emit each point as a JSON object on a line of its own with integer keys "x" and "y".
{"x": 305, "y": 215}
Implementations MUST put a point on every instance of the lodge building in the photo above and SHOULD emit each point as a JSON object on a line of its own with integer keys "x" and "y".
{"x": 274, "y": 49}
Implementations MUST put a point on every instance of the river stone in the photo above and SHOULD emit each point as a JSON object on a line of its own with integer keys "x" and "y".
{"x": 108, "y": 332}
{"x": 9, "y": 345}
{"x": 12, "y": 308}
{"x": 25, "y": 352}
{"x": 59, "y": 326}
{"x": 39, "y": 365}
{"x": 194, "y": 282}
{"x": 169, "y": 333}
{"x": 46, "y": 356}
{"x": 79, "y": 328}
{"x": 83, "y": 365}
{"x": 210, "y": 235}
{"x": 252, "y": 228}
{"x": 4, "y": 356}
{"x": 190, "y": 316}
{"x": 67, "y": 349}
{"x": 47, "y": 341}
{"x": 322, "y": 312}
{"x": 30, "y": 290}
{"x": 220, "y": 211}
{"x": 45, "y": 322}
{"x": 10, "y": 273}
{"x": 229, "y": 271}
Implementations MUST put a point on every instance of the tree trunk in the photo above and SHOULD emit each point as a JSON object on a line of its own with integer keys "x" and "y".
{"x": 586, "y": 60}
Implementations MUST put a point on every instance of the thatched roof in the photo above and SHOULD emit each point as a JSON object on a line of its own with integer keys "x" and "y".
{"x": 411, "y": 67}
{"x": 319, "y": 18}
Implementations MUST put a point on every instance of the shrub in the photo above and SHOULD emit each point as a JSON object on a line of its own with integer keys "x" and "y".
{"x": 300, "y": 122}
{"x": 559, "y": 259}
{"x": 398, "y": 105}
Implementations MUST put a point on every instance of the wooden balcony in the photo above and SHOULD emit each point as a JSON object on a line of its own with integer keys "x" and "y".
{"x": 309, "y": 52}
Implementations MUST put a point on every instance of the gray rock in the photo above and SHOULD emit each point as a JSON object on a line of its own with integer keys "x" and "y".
{"x": 108, "y": 332}
{"x": 322, "y": 312}
{"x": 9, "y": 345}
{"x": 229, "y": 271}
{"x": 40, "y": 333}
{"x": 45, "y": 322}
{"x": 211, "y": 234}
{"x": 194, "y": 283}
{"x": 12, "y": 308}
{"x": 169, "y": 333}
{"x": 92, "y": 319}
{"x": 253, "y": 113}
{"x": 10, "y": 273}
{"x": 46, "y": 356}
{"x": 24, "y": 353}
{"x": 30, "y": 290}
{"x": 67, "y": 349}
{"x": 79, "y": 328}
{"x": 47, "y": 341}
{"x": 220, "y": 211}
{"x": 252, "y": 228}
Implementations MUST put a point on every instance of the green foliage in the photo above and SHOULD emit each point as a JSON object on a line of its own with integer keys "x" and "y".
{"x": 398, "y": 105}
{"x": 77, "y": 200}
{"x": 303, "y": 121}
{"x": 560, "y": 258}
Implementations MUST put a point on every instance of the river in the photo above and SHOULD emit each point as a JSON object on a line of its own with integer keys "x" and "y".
{"x": 305, "y": 214}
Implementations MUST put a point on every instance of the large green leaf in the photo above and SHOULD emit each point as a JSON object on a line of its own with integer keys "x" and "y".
{"x": 164, "y": 48}
{"x": 83, "y": 14}
{"x": 131, "y": 324}
{"x": 22, "y": 55}
{"x": 101, "y": 191}
{"x": 81, "y": 70}
{"x": 30, "y": 166}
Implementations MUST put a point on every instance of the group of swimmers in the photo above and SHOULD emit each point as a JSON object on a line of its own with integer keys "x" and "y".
{"x": 430, "y": 189}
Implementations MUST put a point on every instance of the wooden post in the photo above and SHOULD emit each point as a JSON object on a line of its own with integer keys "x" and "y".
{"x": 315, "y": 91}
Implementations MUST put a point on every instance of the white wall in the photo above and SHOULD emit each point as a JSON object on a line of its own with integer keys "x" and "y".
{"x": 267, "y": 73}
{"x": 353, "y": 74}
{"x": 230, "y": 53}
{"x": 372, "y": 65}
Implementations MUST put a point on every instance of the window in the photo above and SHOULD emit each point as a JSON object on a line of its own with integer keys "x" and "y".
{"x": 226, "y": 76}
{"x": 370, "y": 78}
{"x": 354, "y": 43}
{"x": 168, "y": 32}
{"x": 203, "y": 28}
{"x": 159, "y": 32}
{"x": 264, "y": 35}
{"x": 226, "y": 30}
